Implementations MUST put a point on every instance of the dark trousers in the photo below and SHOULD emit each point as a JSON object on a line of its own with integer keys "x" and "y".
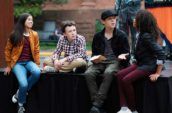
{"x": 125, "y": 22}
{"x": 128, "y": 27}
{"x": 125, "y": 79}
{"x": 98, "y": 95}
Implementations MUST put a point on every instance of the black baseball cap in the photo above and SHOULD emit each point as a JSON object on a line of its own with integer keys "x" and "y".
{"x": 108, "y": 13}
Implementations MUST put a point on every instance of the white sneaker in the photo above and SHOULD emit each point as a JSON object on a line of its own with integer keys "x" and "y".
{"x": 15, "y": 97}
{"x": 21, "y": 109}
{"x": 49, "y": 69}
{"x": 135, "y": 112}
{"x": 124, "y": 110}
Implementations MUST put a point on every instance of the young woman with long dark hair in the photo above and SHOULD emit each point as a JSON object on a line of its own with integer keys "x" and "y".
{"x": 22, "y": 58}
{"x": 149, "y": 57}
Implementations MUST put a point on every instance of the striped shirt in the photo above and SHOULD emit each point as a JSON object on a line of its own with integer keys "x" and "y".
{"x": 72, "y": 50}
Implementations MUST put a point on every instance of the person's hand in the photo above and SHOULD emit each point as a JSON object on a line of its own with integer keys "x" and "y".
{"x": 122, "y": 56}
{"x": 63, "y": 61}
{"x": 54, "y": 56}
{"x": 57, "y": 65}
{"x": 7, "y": 71}
{"x": 154, "y": 77}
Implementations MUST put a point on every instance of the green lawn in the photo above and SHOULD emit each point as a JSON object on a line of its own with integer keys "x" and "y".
{"x": 47, "y": 45}
{"x": 51, "y": 45}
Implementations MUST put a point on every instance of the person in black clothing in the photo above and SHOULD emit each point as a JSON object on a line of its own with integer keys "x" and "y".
{"x": 112, "y": 45}
{"x": 127, "y": 10}
{"x": 149, "y": 57}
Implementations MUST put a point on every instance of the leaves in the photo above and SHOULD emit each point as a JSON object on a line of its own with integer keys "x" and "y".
{"x": 28, "y": 6}
{"x": 99, "y": 26}
{"x": 34, "y": 10}
{"x": 32, "y": 6}
{"x": 60, "y": 1}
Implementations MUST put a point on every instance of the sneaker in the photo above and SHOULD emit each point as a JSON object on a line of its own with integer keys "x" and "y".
{"x": 49, "y": 69}
{"x": 124, "y": 110}
{"x": 21, "y": 109}
{"x": 15, "y": 97}
{"x": 128, "y": 111}
{"x": 135, "y": 112}
{"x": 94, "y": 109}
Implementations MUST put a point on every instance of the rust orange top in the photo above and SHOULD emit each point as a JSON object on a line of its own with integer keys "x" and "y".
{"x": 12, "y": 54}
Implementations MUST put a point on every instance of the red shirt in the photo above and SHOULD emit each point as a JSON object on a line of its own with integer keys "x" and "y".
{"x": 26, "y": 54}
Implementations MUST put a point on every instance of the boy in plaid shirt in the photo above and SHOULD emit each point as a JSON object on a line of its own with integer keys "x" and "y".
{"x": 74, "y": 47}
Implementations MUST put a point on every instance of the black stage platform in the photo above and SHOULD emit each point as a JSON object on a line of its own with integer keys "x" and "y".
{"x": 68, "y": 93}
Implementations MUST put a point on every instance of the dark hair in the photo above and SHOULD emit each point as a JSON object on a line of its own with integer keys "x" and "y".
{"x": 146, "y": 22}
{"x": 66, "y": 24}
{"x": 17, "y": 34}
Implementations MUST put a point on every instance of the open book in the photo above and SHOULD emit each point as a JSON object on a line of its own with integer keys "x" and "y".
{"x": 98, "y": 57}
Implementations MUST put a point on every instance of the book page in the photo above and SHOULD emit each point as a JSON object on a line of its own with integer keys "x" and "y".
{"x": 98, "y": 57}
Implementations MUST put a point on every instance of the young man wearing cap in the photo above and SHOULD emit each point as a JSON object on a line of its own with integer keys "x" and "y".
{"x": 112, "y": 45}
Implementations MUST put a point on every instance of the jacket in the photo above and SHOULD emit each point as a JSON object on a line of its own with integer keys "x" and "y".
{"x": 12, "y": 54}
{"x": 119, "y": 43}
{"x": 148, "y": 52}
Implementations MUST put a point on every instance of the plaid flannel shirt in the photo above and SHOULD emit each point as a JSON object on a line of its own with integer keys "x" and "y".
{"x": 73, "y": 50}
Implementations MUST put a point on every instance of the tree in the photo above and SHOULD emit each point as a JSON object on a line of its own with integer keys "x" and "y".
{"x": 60, "y": 1}
{"x": 28, "y": 6}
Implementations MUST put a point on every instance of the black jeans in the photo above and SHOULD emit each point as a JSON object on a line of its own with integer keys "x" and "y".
{"x": 107, "y": 70}
{"x": 125, "y": 22}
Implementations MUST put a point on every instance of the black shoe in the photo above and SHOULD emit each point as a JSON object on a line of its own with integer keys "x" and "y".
{"x": 95, "y": 109}
{"x": 102, "y": 111}
{"x": 80, "y": 69}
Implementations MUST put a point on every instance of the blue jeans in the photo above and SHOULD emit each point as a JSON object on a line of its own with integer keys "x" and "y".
{"x": 20, "y": 70}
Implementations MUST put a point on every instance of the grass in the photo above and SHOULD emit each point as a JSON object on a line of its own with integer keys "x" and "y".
{"x": 88, "y": 45}
{"x": 48, "y": 45}
{"x": 51, "y": 45}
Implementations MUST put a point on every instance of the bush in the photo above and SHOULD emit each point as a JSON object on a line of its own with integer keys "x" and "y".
{"x": 60, "y": 1}
{"x": 28, "y": 6}
{"x": 34, "y": 10}
{"x": 99, "y": 26}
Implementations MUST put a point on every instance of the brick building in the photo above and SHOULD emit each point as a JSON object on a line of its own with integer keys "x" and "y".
{"x": 83, "y": 12}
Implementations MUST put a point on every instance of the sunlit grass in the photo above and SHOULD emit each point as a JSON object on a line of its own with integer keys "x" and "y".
{"x": 52, "y": 45}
